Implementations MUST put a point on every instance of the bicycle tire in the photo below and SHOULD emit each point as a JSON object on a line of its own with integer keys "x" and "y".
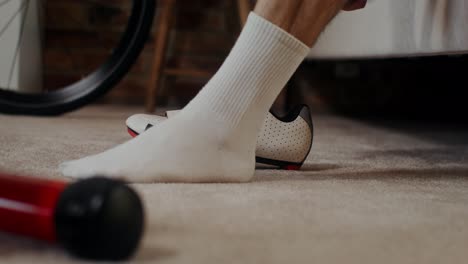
{"x": 97, "y": 83}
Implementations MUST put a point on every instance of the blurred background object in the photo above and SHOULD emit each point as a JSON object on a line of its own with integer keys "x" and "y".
{"x": 370, "y": 62}
{"x": 162, "y": 70}
{"x": 396, "y": 58}
{"x": 79, "y": 36}
{"x": 21, "y": 65}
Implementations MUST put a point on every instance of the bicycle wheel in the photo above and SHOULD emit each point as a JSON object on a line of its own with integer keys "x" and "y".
{"x": 91, "y": 84}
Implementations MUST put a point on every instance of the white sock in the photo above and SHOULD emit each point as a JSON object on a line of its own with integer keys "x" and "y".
{"x": 212, "y": 139}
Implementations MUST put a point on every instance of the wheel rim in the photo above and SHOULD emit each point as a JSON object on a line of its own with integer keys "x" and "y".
{"x": 97, "y": 82}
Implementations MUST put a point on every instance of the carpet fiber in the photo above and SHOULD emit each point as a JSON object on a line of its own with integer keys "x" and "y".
{"x": 370, "y": 193}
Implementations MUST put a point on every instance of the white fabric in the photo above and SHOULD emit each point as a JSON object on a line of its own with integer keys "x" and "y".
{"x": 397, "y": 28}
{"x": 212, "y": 139}
{"x": 172, "y": 113}
{"x": 139, "y": 122}
{"x": 280, "y": 141}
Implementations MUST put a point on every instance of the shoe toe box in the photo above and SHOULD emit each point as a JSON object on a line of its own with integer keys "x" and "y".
{"x": 140, "y": 122}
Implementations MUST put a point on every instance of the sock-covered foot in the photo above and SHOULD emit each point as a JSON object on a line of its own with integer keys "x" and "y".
{"x": 213, "y": 139}
{"x": 186, "y": 148}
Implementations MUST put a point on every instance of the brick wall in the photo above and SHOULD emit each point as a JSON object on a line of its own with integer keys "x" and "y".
{"x": 80, "y": 34}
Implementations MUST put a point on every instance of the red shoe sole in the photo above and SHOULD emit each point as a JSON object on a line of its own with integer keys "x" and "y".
{"x": 132, "y": 133}
{"x": 292, "y": 167}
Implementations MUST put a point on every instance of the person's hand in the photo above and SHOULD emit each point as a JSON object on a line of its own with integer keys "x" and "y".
{"x": 354, "y": 4}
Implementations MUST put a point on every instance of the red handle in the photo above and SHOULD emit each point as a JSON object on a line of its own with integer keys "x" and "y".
{"x": 27, "y": 206}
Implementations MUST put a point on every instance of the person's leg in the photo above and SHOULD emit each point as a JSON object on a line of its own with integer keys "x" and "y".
{"x": 303, "y": 19}
{"x": 213, "y": 138}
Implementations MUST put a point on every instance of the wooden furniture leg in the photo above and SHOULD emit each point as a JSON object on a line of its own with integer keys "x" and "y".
{"x": 164, "y": 23}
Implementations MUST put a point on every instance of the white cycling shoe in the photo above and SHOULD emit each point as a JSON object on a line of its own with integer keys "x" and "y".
{"x": 284, "y": 142}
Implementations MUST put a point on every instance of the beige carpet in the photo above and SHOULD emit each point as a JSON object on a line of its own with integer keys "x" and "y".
{"x": 386, "y": 193}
